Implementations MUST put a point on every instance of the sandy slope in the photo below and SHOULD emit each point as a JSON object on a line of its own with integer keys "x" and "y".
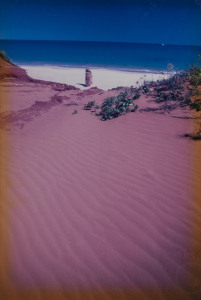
{"x": 100, "y": 210}
{"x": 101, "y": 204}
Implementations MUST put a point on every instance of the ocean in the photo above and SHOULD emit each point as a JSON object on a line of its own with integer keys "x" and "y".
{"x": 125, "y": 56}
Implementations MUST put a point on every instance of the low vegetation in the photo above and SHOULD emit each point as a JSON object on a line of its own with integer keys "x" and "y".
{"x": 195, "y": 76}
{"x": 89, "y": 105}
{"x": 180, "y": 90}
{"x": 5, "y": 57}
{"x": 74, "y": 112}
{"x": 113, "y": 107}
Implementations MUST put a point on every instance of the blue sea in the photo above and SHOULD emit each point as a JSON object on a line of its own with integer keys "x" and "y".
{"x": 125, "y": 56}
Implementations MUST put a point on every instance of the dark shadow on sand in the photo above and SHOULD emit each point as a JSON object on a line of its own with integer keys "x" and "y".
{"x": 82, "y": 84}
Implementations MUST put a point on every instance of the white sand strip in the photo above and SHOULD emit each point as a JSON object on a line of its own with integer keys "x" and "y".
{"x": 102, "y": 78}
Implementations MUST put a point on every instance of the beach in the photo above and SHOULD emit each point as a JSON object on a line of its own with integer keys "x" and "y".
{"x": 96, "y": 209}
{"x": 102, "y": 78}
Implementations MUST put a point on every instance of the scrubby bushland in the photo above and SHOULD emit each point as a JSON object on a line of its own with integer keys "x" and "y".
{"x": 182, "y": 89}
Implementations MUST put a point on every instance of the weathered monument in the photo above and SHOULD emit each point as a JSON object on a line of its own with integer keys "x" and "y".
{"x": 88, "y": 77}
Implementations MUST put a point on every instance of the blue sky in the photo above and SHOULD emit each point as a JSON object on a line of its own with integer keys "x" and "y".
{"x": 143, "y": 21}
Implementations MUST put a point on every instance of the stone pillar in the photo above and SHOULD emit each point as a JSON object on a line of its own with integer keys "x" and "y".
{"x": 88, "y": 77}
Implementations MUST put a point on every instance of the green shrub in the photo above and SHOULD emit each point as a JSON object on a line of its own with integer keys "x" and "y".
{"x": 195, "y": 76}
{"x": 89, "y": 105}
{"x": 113, "y": 107}
{"x": 74, "y": 112}
{"x": 196, "y": 105}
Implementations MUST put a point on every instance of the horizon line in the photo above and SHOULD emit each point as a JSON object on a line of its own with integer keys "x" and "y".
{"x": 109, "y": 42}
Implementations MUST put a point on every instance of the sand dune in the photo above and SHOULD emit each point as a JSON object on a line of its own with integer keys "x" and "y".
{"x": 101, "y": 210}
{"x": 98, "y": 210}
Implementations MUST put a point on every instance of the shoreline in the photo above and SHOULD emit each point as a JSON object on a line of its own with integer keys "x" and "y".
{"x": 110, "y": 68}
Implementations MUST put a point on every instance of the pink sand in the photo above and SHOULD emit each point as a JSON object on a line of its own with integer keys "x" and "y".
{"x": 99, "y": 204}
